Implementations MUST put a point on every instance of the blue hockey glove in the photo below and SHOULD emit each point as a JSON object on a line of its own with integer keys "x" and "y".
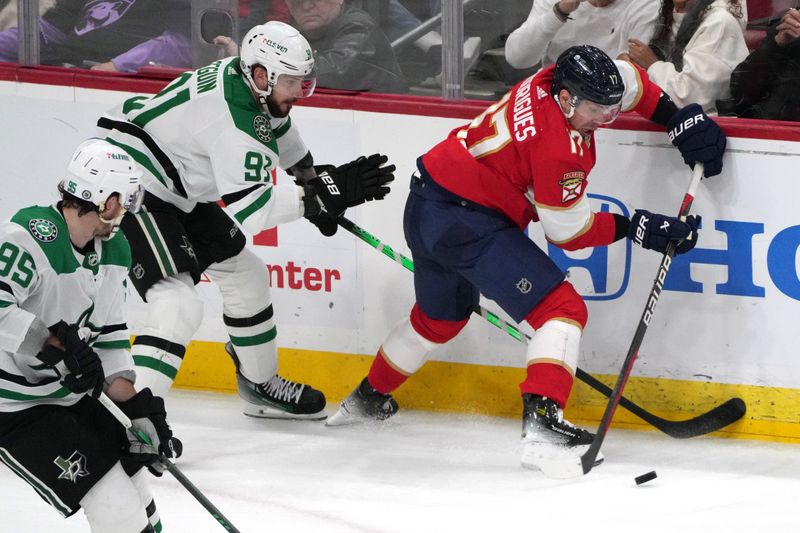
{"x": 698, "y": 138}
{"x": 654, "y": 232}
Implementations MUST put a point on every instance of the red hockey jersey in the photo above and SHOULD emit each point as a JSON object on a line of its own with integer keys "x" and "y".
{"x": 522, "y": 158}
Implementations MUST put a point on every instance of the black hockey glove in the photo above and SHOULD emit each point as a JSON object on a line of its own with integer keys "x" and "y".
{"x": 149, "y": 417}
{"x": 325, "y": 223}
{"x": 654, "y": 232}
{"x": 698, "y": 138}
{"x": 349, "y": 185}
{"x": 77, "y": 364}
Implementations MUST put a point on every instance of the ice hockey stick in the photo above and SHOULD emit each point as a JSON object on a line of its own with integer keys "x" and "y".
{"x": 123, "y": 419}
{"x": 713, "y": 420}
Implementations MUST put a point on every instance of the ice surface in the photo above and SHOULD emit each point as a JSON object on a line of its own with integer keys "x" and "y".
{"x": 425, "y": 472}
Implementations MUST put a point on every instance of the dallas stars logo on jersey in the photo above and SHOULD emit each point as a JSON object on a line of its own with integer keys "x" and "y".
{"x": 72, "y": 468}
{"x": 42, "y": 229}
{"x": 262, "y": 128}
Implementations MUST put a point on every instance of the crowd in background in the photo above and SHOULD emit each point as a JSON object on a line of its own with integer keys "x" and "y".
{"x": 708, "y": 51}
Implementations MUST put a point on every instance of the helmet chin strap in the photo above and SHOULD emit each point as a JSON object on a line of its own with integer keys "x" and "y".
{"x": 571, "y": 108}
{"x": 260, "y": 95}
{"x": 115, "y": 222}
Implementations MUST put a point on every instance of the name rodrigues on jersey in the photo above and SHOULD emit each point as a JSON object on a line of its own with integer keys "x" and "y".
{"x": 522, "y": 118}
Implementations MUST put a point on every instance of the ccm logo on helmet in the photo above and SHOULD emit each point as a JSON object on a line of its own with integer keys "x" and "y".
{"x": 685, "y": 125}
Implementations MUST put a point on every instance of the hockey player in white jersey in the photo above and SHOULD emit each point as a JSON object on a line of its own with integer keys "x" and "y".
{"x": 63, "y": 339}
{"x": 217, "y": 133}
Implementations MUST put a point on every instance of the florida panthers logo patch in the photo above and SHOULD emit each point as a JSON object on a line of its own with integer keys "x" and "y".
{"x": 262, "y": 128}
{"x": 524, "y": 286}
{"x": 572, "y": 185}
{"x": 43, "y": 230}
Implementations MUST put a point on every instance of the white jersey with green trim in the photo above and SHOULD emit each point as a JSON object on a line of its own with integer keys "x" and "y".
{"x": 42, "y": 276}
{"x": 204, "y": 138}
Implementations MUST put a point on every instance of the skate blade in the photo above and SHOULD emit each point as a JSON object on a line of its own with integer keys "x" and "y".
{"x": 342, "y": 418}
{"x": 265, "y": 411}
{"x": 555, "y": 462}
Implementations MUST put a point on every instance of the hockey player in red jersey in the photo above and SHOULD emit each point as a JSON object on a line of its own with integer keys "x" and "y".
{"x": 526, "y": 158}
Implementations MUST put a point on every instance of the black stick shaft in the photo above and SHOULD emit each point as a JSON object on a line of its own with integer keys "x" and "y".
{"x": 588, "y": 458}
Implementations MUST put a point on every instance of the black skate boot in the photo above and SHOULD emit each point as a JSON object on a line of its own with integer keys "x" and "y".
{"x": 550, "y": 443}
{"x": 364, "y": 404}
{"x": 278, "y": 397}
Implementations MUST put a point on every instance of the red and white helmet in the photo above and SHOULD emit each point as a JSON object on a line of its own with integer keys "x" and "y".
{"x": 99, "y": 169}
{"x": 280, "y": 49}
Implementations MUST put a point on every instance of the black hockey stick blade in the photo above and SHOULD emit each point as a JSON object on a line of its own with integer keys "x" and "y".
{"x": 717, "y": 418}
{"x": 713, "y": 420}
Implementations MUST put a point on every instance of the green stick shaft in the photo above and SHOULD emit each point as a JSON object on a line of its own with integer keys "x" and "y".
{"x": 717, "y": 418}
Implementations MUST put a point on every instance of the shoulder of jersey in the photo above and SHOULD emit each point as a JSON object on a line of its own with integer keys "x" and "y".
{"x": 43, "y": 232}
{"x": 44, "y": 224}
{"x": 247, "y": 116}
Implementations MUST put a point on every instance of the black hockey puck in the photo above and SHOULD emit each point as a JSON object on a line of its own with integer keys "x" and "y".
{"x": 644, "y": 478}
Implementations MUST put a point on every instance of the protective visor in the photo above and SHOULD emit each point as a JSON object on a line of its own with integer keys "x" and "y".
{"x": 603, "y": 114}
{"x": 133, "y": 200}
{"x": 298, "y": 86}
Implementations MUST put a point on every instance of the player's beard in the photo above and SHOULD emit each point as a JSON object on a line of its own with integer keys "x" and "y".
{"x": 277, "y": 110}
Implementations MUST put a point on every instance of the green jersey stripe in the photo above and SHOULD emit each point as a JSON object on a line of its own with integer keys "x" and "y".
{"x": 156, "y": 364}
{"x": 5, "y": 304}
{"x": 147, "y": 116}
{"x": 113, "y": 345}
{"x": 242, "y": 215}
{"x": 61, "y": 392}
{"x": 254, "y": 340}
{"x": 42, "y": 489}
{"x": 156, "y": 242}
{"x": 283, "y": 128}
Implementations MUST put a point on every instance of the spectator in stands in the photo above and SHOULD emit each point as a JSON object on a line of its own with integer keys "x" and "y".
{"x": 766, "y": 84}
{"x": 350, "y": 50}
{"x": 8, "y": 12}
{"x": 555, "y": 25}
{"x": 115, "y": 35}
{"x": 255, "y": 12}
{"x": 696, "y": 46}
{"x": 400, "y": 20}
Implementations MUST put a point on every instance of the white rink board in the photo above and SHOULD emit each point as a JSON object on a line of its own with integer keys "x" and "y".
{"x": 727, "y": 322}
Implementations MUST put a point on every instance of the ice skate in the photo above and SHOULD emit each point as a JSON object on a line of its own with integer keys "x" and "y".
{"x": 550, "y": 443}
{"x": 278, "y": 397}
{"x": 363, "y": 405}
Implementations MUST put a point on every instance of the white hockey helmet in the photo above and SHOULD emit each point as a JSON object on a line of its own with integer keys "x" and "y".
{"x": 99, "y": 169}
{"x": 280, "y": 49}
